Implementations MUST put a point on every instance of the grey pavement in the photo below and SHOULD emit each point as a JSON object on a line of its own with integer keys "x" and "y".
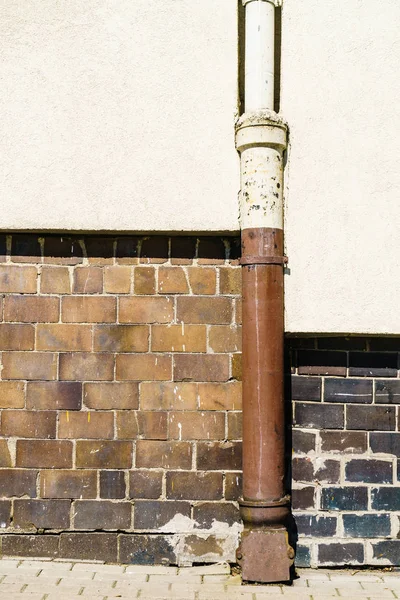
{"x": 70, "y": 580}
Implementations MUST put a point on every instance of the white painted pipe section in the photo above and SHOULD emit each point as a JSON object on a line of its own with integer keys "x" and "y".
{"x": 259, "y": 54}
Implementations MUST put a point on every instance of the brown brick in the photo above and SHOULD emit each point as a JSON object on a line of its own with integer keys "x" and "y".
{"x": 202, "y": 280}
{"x": 84, "y": 366}
{"x": 230, "y": 280}
{"x": 145, "y": 484}
{"x": 62, "y": 250}
{"x": 190, "y": 485}
{"x": 168, "y": 396}
{"x": 370, "y": 418}
{"x": 121, "y": 338}
{"x": 12, "y": 394}
{"x": 18, "y": 279}
{"x": 172, "y": 280}
{"x": 238, "y": 310}
{"x": 101, "y": 514}
{"x": 219, "y": 456}
{"x": 138, "y": 424}
{"x": 59, "y": 337}
{"x": 47, "y": 395}
{"x": 105, "y": 396}
{"x": 45, "y": 454}
{"x": 28, "y": 424}
{"x": 31, "y": 309}
{"x": 178, "y": 338}
{"x": 138, "y": 367}
{"x": 89, "y": 546}
{"x": 87, "y": 309}
{"x": 236, "y": 363}
{"x": 220, "y": 396}
{"x": 225, "y": 338}
{"x": 17, "y": 337}
{"x": 354, "y": 442}
{"x": 201, "y": 367}
{"x": 233, "y": 486}
{"x": 5, "y": 457}
{"x": 88, "y": 280}
{"x": 55, "y": 280}
{"x": 103, "y": 455}
{"x": 303, "y": 498}
{"x": 5, "y": 513}
{"x": 17, "y": 482}
{"x": 37, "y": 546}
{"x": 196, "y": 426}
{"x": 68, "y": 484}
{"x": 206, "y": 513}
{"x": 234, "y": 426}
{"x": 153, "y": 514}
{"x": 214, "y": 311}
{"x": 41, "y": 514}
{"x": 146, "y": 310}
{"x": 29, "y": 365}
{"x": 117, "y": 280}
{"x": 112, "y": 485}
{"x": 163, "y": 455}
{"x": 90, "y": 425}
{"x": 144, "y": 280}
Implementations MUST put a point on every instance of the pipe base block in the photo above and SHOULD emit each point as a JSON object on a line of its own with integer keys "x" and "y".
{"x": 265, "y": 555}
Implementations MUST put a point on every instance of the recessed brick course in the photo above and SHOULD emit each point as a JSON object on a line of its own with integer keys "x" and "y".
{"x": 115, "y": 395}
{"x": 219, "y": 456}
{"x": 213, "y": 311}
{"x": 31, "y": 309}
{"x": 59, "y": 337}
{"x": 12, "y": 394}
{"x": 168, "y": 396}
{"x": 88, "y": 309}
{"x": 17, "y": 482}
{"x": 201, "y": 367}
{"x": 220, "y": 396}
{"x": 81, "y": 366}
{"x": 178, "y": 338}
{"x": 153, "y": 514}
{"x": 194, "y": 485}
{"x": 372, "y": 364}
{"x": 88, "y": 280}
{"x": 17, "y": 337}
{"x": 28, "y": 424}
{"x": 202, "y": 280}
{"x": 45, "y": 454}
{"x": 48, "y": 395}
{"x": 224, "y": 338}
{"x": 163, "y": 455}
{"x": 138, "y": 424}
{"x": 62, "y": 250}
{"x": 66, "y": 483}
{"x": 103, "y": 454}
{"x": 41, "y": 514}
{"x": 87, "y": 424}
{"x": 139, "y": 367}
{"x": 121, "y": 338}
{"x": 99, "y": 250}
{"x": 145, "y": 484}
{"x": 102, "y": 514}
{"x": 55, "y": 280}
{"x": 22, "y": 280}
{"x": 29, "y": 365}
{"x": 146, "y": 310}
{"x": 369, "y": 418}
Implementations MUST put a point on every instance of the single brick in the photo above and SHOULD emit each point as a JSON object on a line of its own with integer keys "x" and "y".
{"x": 303, "y": 557}
{"x": 340, "y": 554}
{"x": 344, "y": 498}
{"x": 103, "y": 396}
{"x": 302, "y": 469}
{"x": 219, "y": 456}
{"x": 89, "y": 546}
{"x": 139, "y": 424}
{"x": 389, "y": 551}
{"x": 366, "y": 526}
{"x": 348, "y": 390}
{"x": 12, "y": 394}
{"x": 213, "y": 311}
{"x": 117, "y": 280}
{"x": 202, "y": 280}
{"x": 55, "y": 280}
{"x": 206, "y": 513}
{"x": 230, "y": 280}
{"x": 147, "y": 549}
{"x": 201, "y": 367}
{"x": 385, "y": 498}
{"x": 88, "y": 309}
{"x": 101, "y": 514}
{"x": 61, "y": 338}
{"x": 62, "y": 250}
{"x": 233, "y": 486}
{"x": 41, "y": 514}
{"x": 369, "y": 471}
{"x": 100, "y": 250}
{"x": 344, "y": 441}
{"x": 103, "y": 454}
{"x": 45, "y": 454}
{"x": 168, "y": 396}
{"x": 90, "y": 425}
{"x": 17, "y": 337}
{"x": 81, "y": 366}
{"x": 144, "y": 280}
{"x": 303, "y": 441}
{"x": 153, "y": 514}
{"x": 178, "y": 338}
{"x": 172, "y": 280}
{"x": 112, "y": 485}
{"x": 220, "y": 396}
{"x": 194, "y": 485}
{"x": 47, "y": 395}
{"x": 28, "y": 424}
{"x": 121, "y": 338}
{"x": 197, "y": 425}
{"x": 387, "y": 391}
{"x": 17, "y": 482}
{"x": 303, "y": 498}
{"x": 29, "y": 365}
{"x": 5, "y": 457}
{"x": 88, "y": 280}
{"x": 127, "y": 250}
{"x": 22, "y": 280}
{"x": 307, "y": 389}
{"x": 236, "y": 366}
{"x": 163, "y": 455}
{"x": 316, "y": 525}
{"x": 385, "y": 443}
{"x": 145, "y": 484}
{"x": 373, "y": 364}
{"x": 31, "y": 309}
{"x": 139, "y": 367}
{"x": 319, "y": 416}
{"x": 371, "y": 418}
{"x": 235, "y": 426}
{"x": 63, "y": 483}
{"x": 146, "y": 310}
{"x": 327, "y": 471}
{"x": 37, "y": 546}
{"x": 225, "y": 338}
{"x": 5, "y": 513}
{"x": 201, "y": 548}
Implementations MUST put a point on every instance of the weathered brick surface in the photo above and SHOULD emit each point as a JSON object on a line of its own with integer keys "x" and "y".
{"x": 197, "y": 425}
{"x": 139, "y": 424}
{"x": 153, "y": 514}
{"x": 216, "y": 311}
{"x": 139, "y": 367}
{"x": 201, "y": 367}
{"x": 102, "y": 514}
{"x": 103, "y": 454}
{"x": 15, "y": 279}
{"x": 31, "y": 309}
{"x": 121, "y": 338}
{"x": 28, "y": 424}
{"x": 45, "y": 454}
{"x": 145, "y": 484}
{"x": 12, "y": 394}
{"x": 112, "y": 484}
{"x": 42, "y": 514}
{"x": 166, "y": 455}
{"x": 82, "y": 366}
{"x": 17, "y": 337}
{"x": 64, "y": 338}
{"x": 168, "y": 396}
{"x": 82, "y": 309}
{"x": 47, "y": 395}
{"x": 105, "y": 396}
{"x": 88, "y": 280}
{"x": 145, "y": 310}
{"x": 117, "y": 280}
{"x": 55, "y": 280}
{"x": 17, "y": 482}
{"x": 29, "y": 365}
{"x": 88, "y": 424}
{"x": 66, "y": 483}
{"x": 5, "y": 456}
{"x": 194, "y": 485}
{"x": 178, "y": 338}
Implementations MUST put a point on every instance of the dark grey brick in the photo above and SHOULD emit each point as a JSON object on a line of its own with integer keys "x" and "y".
{"x": 306, "y": 388}
{"x": 369, "y": 471}
{"x": 387, "y": 443}
{"x": 316, "y": 526}
{"x": 139, "y": 549}
{"x": 344, "y": 498}
{"x": 385, "y": 498}
{"x": 366, "y": 526}
{"x": 153, "y": 514}
{"x": 357, "y": 391}
{"x": 389, "y": 550}
{"x": 112, "y": 484}
{"x": 387, "y": 391}
{"x": 303, "y": 557}
{"x": 303, "y": 498}
{"x": 354, "y": 442}
{"x": 340, "y": 554}
{"x": 303, "y": 441}
{"x": 370, "y": 418}
{"x": 372, "y": 364}
{"x": 207, "y": 512}
{"x": 319, "y": 416}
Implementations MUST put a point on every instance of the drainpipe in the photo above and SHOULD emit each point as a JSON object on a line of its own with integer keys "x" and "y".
{"x": 264, "y": 552}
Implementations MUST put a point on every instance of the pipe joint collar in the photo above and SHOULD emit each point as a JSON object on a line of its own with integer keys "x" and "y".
{"x": 276, "y": 3}
{"x": 261, "y": 128}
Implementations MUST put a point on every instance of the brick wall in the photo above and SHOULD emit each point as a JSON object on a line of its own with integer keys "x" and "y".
{"x": 346, "y": 444}
{"x": 119, "y": 395}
